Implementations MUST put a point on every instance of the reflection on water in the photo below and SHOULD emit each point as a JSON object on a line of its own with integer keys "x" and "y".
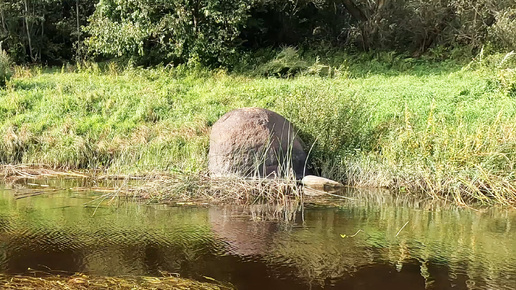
{"x": 370, "y": 242}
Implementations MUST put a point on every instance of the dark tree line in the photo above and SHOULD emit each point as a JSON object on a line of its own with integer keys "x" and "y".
{"x": 214, "y": 32}
{"x": 43, "y": 30}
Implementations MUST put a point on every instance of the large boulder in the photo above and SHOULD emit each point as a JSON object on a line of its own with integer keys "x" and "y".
{"x": 255, "y": 142}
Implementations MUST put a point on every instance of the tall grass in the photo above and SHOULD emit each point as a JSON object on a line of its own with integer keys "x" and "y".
{"x": 383, "y": 120}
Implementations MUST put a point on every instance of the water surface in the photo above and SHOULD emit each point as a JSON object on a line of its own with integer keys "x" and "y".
{"x": 372, "y": 241}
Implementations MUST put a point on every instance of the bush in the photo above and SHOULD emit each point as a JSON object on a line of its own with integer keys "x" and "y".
{"x": 502, "y": 32}
{"x": 287, "y": 63}
{"x": 5, "y": 68}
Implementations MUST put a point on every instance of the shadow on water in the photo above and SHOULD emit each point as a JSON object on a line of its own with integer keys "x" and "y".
{"x": 369, "y": 240}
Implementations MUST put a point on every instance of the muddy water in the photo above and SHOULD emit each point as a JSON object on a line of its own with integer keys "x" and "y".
{"x": 371, "y": 241}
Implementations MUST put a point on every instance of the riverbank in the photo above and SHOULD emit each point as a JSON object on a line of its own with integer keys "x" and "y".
{"x": 445, "y": 128}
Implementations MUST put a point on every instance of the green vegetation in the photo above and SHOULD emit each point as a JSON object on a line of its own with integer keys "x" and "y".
{"x": 46, "y": 31}
{"x": 382, "y": 120}
{"x": 202, "y": 31}
{"x": 217, "y": 32}
{"x": 178, "y": 31}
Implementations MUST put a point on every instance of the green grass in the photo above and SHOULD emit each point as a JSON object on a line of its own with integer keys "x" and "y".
{"x": 444, "y": 128}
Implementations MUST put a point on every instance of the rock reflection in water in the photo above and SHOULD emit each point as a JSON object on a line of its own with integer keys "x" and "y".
{"x": 243, "y": 236}
{"x": 249, "y": 231}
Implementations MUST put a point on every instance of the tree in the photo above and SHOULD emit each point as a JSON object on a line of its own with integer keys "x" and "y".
{"x": 177, "y": 31}
{"x": 42, "y": 30}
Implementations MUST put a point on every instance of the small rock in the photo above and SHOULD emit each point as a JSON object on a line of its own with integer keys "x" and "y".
{"x": 320, "y": 183}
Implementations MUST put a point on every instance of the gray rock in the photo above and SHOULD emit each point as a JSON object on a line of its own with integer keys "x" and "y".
{"x": 255, "y": 142}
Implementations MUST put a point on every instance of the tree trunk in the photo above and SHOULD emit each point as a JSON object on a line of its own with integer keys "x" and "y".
{"x": 2, "y": 15}
{"x": 27, "y": 27}
{"x": 78, "y": 28}
{"x": 353, "y": 9}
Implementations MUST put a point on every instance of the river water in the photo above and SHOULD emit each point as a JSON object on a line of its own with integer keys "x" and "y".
{"x": 367, "y": 241}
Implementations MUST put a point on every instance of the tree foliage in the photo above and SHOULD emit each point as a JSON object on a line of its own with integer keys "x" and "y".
{"x": 42, "y": 30}
{"x": 416, "y": 25}
{"x": 214, "y": 32}
{"x": 411, "y": 26}
{"x": 204, "y": 31}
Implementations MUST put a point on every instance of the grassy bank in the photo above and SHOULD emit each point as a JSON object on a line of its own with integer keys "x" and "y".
{"x": 443, "y": 128}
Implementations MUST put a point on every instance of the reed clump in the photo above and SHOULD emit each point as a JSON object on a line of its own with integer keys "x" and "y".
{"x": 158, "y": 186}
{"x": 202, "y": 188}
{"x": 13, "y": 172}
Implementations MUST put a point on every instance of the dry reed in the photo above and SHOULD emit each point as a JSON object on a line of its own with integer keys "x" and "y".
{"x": 161, "y": 187}
{"x": 81, "y": 281}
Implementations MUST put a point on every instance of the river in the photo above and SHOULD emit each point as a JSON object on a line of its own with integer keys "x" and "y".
{"x": 369, "y": 240}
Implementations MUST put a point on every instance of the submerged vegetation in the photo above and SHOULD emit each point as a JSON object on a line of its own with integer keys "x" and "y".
{"x": 444, "y": 128}
{"x": 81, "y": 281}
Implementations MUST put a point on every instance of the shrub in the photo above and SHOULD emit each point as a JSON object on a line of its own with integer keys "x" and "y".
{"x": 287, "y": 63}
{"x": 5, "y": 68}
{"x": 502, "y": 32}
